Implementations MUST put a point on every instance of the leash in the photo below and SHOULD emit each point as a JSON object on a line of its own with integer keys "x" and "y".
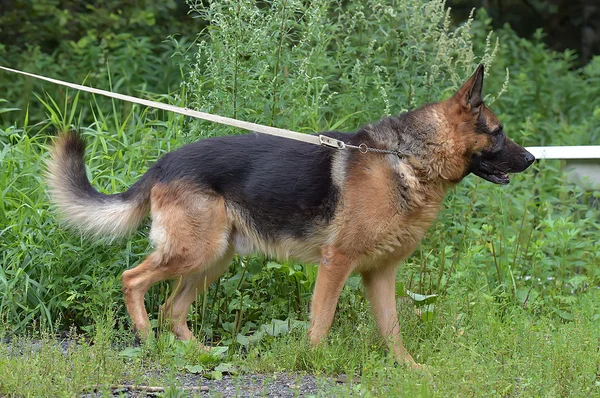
{"x": 558, "y": 152}
{"x": 320, "y": 140}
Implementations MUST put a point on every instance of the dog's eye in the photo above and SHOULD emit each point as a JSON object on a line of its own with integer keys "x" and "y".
{"x": 498, "y": 139}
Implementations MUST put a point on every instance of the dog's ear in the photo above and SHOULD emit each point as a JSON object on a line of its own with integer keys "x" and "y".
{"x": 471, "y": 93}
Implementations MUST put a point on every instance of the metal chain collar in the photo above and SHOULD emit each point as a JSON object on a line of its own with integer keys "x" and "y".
{"x": 362, "y": 148}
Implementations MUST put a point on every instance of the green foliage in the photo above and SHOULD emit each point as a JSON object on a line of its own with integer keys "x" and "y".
{"x": 529, "y": 250}
{"x": 373, "y": 57}
{"x": 44, "y": 367}
{"x": 326, "y": 65}
{"x": 78, "y": 41}
{"x": 477, "y": 348}
{"x": 50, "y": 24}
{"x": 548, "y": 102}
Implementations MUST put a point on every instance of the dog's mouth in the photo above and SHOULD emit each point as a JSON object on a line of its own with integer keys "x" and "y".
{"x": 490, "y": 173}
{"x": 496, "y": 177}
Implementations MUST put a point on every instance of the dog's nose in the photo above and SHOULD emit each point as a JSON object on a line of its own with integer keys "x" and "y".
{"x": 529, "y": 158}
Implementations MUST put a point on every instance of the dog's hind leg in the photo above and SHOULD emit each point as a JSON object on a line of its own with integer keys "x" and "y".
{"x": 136, "y": 283}
{"x": 380, "y": 288}
{"x": 190, "y": 231}
{"x": 138, "y": 280}
{"x": 332, "y": 274}
{"x": 186, "y": 291}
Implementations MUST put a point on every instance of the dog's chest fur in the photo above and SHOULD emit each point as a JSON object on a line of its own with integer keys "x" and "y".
{"x": 385, "y": 210}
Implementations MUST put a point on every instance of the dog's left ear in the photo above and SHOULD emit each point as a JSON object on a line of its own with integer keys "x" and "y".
{"x": 471, "y": 93}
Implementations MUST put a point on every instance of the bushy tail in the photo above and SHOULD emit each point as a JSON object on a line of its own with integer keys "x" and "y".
{"x": 84, "y": 208}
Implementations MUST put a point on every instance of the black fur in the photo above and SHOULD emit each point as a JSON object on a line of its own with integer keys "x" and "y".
{"x": 285, "y": 184}
{"x": 74, "y": 168}
{"x": 80, "y": 186}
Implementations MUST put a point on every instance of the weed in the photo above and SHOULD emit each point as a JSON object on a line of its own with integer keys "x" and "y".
{"x": 515, "y": 269}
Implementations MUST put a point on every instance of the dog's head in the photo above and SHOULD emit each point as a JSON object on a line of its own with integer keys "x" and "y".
{"x": 487, "y": 151}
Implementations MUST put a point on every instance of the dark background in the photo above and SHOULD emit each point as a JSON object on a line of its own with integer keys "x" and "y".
{"x": 567, "y": 24}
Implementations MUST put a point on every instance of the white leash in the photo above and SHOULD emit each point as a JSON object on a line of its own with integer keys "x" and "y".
{"x": 559, "y": 152}
{"x": 259, "y": 128}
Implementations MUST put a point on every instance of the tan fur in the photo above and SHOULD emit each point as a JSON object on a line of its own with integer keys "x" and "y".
{"x": 192, "y": 244}
{"x": 334, "y": 269}
{"x": 247, "y": 240}
{"x": 372, "y": 226}
{"x": 374, "y": 231}
{"x": 380, "y": 289}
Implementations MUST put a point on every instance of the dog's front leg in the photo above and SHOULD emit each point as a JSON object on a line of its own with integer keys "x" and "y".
{"x": 332, "y": 274}
{"x": 380, "y": 289}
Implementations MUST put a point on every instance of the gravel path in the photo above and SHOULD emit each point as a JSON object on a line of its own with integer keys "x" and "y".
{"x": 161, "y": 383}
{"x": 257, "y": 385}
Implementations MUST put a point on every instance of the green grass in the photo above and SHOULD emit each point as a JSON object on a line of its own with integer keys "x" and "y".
{"x": 516, "y": 269}
{"x": 476, "y": 347}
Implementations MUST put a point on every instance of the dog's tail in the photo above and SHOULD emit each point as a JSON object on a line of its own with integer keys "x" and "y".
{"x": 84, "y": 208}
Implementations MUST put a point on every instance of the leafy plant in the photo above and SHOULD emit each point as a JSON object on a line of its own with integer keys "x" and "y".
{"x": 310, "y": 67}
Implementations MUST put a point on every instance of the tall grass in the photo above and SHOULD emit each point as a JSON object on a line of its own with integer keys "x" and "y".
{"x": 323, "y": 65}
{"x": 310, "y": 67}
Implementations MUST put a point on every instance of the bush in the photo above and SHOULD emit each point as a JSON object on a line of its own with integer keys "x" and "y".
{"x": 549, "y": 100}
{"x": 312, "y": 67}
{"x": 326, "y": 65}
{"x": 110, "y": 44}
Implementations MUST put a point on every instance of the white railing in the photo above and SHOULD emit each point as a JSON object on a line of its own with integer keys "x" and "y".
{"x": 565, "y": 152}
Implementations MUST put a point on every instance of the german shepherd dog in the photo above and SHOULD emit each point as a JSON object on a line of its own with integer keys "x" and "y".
{"x": 350, "y": 211}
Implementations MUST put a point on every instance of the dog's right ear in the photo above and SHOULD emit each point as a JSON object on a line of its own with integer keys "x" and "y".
{"x": 471, "y": 93}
